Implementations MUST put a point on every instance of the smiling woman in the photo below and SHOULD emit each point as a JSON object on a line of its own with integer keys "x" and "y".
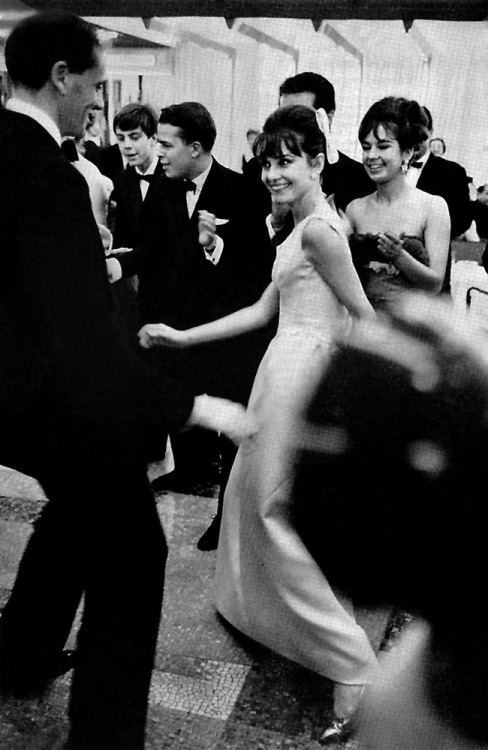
{"x": 400, "y": 238}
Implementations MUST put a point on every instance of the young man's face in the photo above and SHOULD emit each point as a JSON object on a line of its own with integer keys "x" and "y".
{"x": 177, "y": 157}
{"x": 136, "y": 147}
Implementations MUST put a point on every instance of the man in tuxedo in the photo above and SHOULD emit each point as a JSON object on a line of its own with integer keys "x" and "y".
{"x": 78, "y": 410}
{"x": 345, "y": 178}
{"x": 203, "y": 257}
{"x": 439, "y": 176}
{"x": 135, "y": 129}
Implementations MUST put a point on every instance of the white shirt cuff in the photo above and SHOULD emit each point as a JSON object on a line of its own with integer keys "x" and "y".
{"x": 215, "y": 254}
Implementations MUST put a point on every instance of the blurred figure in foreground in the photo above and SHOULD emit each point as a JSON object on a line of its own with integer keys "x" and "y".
{"x": 395, "y": 435}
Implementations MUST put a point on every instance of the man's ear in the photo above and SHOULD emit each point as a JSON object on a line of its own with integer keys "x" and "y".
{"x": 196, "y": 149}
{"x": 59, "y": 76}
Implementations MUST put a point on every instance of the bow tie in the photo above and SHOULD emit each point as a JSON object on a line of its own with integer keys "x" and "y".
{"x": 69, "y": 150}
{"x": 189, "y": 186}
{"x": 417, "y": 164}
{"x": 148, "y": 177}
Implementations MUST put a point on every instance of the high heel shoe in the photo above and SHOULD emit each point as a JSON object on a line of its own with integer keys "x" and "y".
{"x": 337, "y": 733}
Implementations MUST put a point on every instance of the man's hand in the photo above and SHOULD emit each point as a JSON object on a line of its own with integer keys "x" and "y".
{"x": 159, "y": 334}
{"x": 279, "y": 212}
{"x": 223, "y": 416}
{"x": 206, "y": 229}
{"x": 114, "y": 271}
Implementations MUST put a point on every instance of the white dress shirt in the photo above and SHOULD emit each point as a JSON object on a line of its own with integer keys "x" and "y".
{"x": 144, "y": 184}
{"x": 413, "y": 174}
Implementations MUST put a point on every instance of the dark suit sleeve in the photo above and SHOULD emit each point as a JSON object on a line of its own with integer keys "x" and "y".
{"x": 158, "y": 220}
{"x": 120, "y": 227}
{"x": 449, "y": 180}
{"x": 458, "y": 201}
{"x": 244, "y": 270}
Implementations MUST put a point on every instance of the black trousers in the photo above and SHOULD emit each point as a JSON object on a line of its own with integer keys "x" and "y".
{"x": 100, "y": 537}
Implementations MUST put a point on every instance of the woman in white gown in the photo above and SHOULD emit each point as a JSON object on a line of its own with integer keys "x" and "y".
{"x": 267, "y": 584}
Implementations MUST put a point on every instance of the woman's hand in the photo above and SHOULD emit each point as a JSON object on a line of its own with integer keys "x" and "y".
{"x": 391, "y": 246}
{"x": 159, "y": 334}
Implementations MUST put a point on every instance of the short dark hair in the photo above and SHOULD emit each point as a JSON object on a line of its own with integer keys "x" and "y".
{"x": 430, "y": 122}
{"x": 194, "y": 122}
{"x": 320, "y": 87}
{"x": 136, "y": 115}
{"x": 405, "y": 118}
{"x": 294, "y": 126}
{"x": 41, "y": 40}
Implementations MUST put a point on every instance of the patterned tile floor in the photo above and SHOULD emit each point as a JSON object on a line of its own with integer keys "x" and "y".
{"x": 211, "y": 690}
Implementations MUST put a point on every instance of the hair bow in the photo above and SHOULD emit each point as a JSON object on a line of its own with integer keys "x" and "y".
{"x": 324, "y": 125}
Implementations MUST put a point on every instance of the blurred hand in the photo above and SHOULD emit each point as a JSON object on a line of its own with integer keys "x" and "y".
{"x": 106, "y": 237}
{"x": 223, "y": 416}
{"x": 114, "y": 272}
{"x": 159, "y": 334}
{"x": 206, "y": 228}
{"x": 279, "y": 212}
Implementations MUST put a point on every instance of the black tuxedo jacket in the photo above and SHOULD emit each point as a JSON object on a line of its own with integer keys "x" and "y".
{"x": 70, "y": 387}
{"x": 132, "y": 211}
{"x": 449, "y": 180}
{"x": 179, "y": 287}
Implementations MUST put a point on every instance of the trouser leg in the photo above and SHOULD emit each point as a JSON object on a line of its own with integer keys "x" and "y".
{"x": 37, "y": 619}
{"x": 117, "y": 639}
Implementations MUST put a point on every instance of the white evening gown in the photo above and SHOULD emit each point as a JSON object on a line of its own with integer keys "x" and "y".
{"x": 267, "y": 584}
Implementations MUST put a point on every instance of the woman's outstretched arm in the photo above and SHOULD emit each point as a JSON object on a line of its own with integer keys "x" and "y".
{"x": 244, "y": 320}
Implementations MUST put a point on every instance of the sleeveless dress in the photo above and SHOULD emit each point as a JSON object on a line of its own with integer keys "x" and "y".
{"x": 267, "y": 584}
{"x": 382, "y": 282}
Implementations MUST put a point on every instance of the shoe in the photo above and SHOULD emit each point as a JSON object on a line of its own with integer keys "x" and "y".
{"x": 337, "y": 733}
{"x": 210, "y": 538}
{"x": 30, "y": 679}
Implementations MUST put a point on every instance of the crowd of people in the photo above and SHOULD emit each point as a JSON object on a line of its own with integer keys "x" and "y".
{"x": 191, "y": 296}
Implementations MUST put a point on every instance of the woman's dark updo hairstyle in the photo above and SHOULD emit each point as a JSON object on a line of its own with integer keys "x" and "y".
{"x": 404, "y": 118}
{"x": 295, "y": 127}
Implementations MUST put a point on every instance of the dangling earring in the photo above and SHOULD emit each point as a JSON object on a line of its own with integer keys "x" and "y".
{"x": 404, "y": 167}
